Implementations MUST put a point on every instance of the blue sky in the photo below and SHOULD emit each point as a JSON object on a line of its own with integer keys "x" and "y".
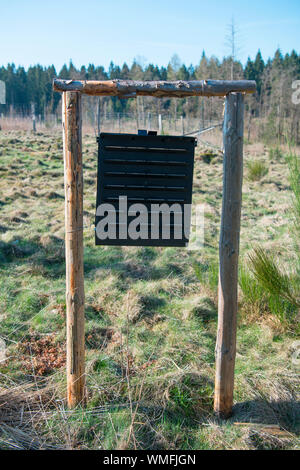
{"x": 53, "y": 32}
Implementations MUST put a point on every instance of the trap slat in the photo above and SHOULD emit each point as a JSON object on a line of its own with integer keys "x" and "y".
{"x": 147, "y": 169}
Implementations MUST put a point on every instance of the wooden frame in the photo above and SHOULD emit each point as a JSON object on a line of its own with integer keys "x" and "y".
{"x": 230, "y": 220}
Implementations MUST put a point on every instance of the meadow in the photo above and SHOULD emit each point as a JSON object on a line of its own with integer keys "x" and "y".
{"x": 151, "y": 313}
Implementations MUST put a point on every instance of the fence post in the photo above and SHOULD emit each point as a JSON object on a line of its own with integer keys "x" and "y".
{"x": 229, "y": 251}
{"x": 72, "y": 123}
{"x": 160, "y": 128}
{"x": 98, "y": 116}
{"x": 33, "y": 117}
{"x": 137, "y": 113}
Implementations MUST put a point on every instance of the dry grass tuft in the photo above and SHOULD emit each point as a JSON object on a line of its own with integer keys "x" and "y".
{"x": 22, "y": 408}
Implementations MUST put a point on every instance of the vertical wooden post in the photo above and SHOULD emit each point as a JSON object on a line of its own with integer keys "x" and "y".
{"x": 160, "y": 128}
{"x": 33, "y": 117}
{"x": 74, "y": 246}
{"x": 137, "y": 113}
{"x": 98, "y": 116}
{"x": 229, "y": 252}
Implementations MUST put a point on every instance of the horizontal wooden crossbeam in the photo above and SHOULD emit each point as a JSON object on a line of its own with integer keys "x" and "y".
{"x": 159, "y": 89}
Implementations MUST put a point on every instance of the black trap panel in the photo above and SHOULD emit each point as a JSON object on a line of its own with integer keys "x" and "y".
{"x": 147, "y": 169}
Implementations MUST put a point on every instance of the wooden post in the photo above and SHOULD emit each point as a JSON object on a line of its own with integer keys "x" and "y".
{"x": 137, "y": 114}
{"x": 98, "y": 116}
{"x": 160, "y": 128}
{"x": 74, "y": 247}
{"x": 229, "y": 251}
{"x": 33, "y": 118}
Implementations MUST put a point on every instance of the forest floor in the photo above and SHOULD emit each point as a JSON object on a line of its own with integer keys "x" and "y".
{"x": 151, "y": 319}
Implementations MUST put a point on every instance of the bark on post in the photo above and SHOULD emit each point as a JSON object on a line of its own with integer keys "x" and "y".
{"x": 160, "y": 89}
{"x": 229, "y": 251}
{"x": 98, "y": 116}
{"x": 160, "y": 128}
{"x": 71, "y": 111}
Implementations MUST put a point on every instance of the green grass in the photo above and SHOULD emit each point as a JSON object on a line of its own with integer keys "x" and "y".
{"x": 270, "y": 285}
{"x": 293, "y": 161}
{"x": 151, "y": 316}
{"x": 275, "y": 153}
{"x": 256, "y": 170}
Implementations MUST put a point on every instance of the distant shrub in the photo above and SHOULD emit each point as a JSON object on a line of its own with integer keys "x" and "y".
{"x": 208, "y": 156}
{"x": 268, "y": 131}
{"x": 275, "y": 153}
{"x": 256, "y": 170}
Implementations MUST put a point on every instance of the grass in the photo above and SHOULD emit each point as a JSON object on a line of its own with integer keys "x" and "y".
{"x": 271, "y": 278}
{"x": 151, "y": 319}
{"x": 266, "y": 288}
{"x": 275, "y": 153}
{"x": 293, "y": 161}
{"x": 256, "y": 170}
{"x": 272, "y": 286}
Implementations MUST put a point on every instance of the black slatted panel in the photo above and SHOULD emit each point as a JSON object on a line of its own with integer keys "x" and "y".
{"x": 147, "y": 169}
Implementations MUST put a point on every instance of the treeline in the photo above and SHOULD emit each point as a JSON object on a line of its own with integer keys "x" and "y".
{"x": 30, "y": 88}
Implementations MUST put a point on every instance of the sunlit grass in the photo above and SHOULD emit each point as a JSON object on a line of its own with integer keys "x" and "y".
{"x": 256, "y": 170}
{"x": 151, "y": 313}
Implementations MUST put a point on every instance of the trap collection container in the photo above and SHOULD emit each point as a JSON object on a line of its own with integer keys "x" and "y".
{"x": 147, "y": 169}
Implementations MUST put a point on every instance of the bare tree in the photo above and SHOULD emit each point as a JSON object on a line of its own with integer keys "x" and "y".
{"x": 231, "y": 41}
